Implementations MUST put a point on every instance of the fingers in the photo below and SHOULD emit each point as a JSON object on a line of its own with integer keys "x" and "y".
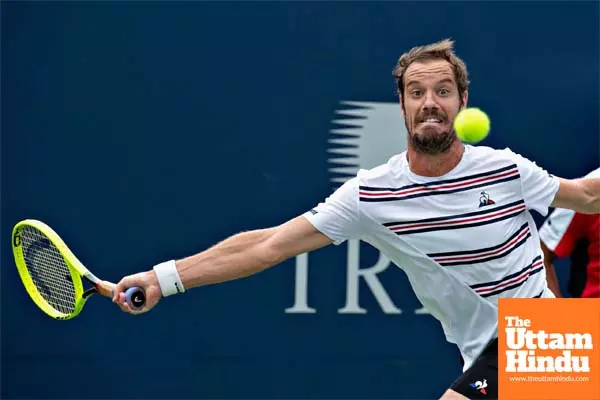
{"x": 106, "y": 288}
{"x": 146, "y": 281}
{"x": 124, "y": 306}
{"x": 127, "y": 282}
{"x": 119, "y": 292}
{"x": 123, "y": 285}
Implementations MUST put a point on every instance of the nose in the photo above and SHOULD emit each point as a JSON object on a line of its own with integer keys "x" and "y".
{"x": 429, "y": 103}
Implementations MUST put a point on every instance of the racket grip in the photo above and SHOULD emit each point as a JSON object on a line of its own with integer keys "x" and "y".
{"x": 135, "y": 297}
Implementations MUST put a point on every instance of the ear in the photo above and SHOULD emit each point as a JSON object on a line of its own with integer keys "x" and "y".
{"x": 401, "y": 107}
{"x": 465, "y": 98}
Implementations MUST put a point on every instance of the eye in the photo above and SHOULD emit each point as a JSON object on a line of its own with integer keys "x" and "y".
{"x": 416, "y": 92}
{"x": 443, "y": 92}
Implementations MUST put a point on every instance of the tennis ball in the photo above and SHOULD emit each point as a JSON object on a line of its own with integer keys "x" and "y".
{"x": 472, "y": 125}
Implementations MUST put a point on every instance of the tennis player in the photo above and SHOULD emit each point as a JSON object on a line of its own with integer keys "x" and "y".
{"x": 423, "y": 210}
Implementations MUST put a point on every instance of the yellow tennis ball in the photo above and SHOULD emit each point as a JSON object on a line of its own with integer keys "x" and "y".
{"x": 472, "y": 125}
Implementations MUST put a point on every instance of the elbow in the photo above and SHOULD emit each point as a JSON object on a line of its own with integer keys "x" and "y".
{"x": 272, "y": 250}
{"x": 592, "y": 192}
{"x": 268, "y": 251}
{"x": 592, "y": 206}
{"x": 269, "y": 255}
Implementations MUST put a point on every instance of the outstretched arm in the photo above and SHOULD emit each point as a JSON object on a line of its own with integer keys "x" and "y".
{"x": 247, "y": 253}
{"x": 237, "y": 257}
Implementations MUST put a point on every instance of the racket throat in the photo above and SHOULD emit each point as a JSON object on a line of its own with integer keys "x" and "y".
{"x": 91, "y": 277}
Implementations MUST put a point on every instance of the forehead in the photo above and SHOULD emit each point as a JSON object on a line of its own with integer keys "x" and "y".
{"x": 428, "y": 71}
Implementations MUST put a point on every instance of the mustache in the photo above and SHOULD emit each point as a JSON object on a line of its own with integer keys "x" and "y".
{"x": 432, "y": 114}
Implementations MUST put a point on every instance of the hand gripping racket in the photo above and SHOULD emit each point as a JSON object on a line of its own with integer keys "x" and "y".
{"x": 52, "y": 275}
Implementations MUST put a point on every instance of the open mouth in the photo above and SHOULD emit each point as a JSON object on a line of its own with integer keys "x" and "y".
{"x": 430, "y": 121}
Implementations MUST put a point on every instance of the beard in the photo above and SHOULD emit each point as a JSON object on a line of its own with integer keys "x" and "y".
{"x": 432, "y": 142}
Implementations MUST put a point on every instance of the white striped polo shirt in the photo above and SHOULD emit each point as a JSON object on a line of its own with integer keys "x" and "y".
{"x": 464, "y": 239}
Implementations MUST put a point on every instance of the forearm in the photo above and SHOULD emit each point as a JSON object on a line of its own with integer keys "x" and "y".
{"x": 238, "y": 256}
{"x": 580, "y": 195}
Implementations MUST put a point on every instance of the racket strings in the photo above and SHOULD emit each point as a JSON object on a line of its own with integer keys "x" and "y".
{"x": 48, "y": 270}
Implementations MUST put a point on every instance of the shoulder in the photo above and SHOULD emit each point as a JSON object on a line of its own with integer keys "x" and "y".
{"x": 485, "y": 154}
{"x": 384, "y": 175}
{"x": 509, "y": 159}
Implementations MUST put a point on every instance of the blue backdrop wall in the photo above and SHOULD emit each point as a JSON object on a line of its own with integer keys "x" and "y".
{"x": 143, "y": 131}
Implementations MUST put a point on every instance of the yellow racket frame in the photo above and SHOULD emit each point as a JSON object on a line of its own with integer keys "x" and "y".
{"x": 76, "y": 269}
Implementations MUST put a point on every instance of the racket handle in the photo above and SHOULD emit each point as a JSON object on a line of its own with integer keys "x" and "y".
{"x": 135, "y": 297}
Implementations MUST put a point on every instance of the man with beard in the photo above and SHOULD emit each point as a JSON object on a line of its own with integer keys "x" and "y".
{"x": 422, "y": 210}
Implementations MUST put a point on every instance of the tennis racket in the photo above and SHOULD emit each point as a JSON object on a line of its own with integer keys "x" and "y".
{"x": 53, "y": 276}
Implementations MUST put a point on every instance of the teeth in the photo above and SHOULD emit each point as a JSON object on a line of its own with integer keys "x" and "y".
{"x": 432, "y": 120}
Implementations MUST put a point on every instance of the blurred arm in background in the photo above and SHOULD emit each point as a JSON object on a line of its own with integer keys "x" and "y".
{"x": 574, "y": 234}
{"x": 551, "y": 278}
{"x": 581, "y": 195}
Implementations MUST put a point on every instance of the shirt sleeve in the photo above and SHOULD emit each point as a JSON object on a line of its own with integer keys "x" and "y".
{"x": 338, "y": 216}
{"x": 538, "y": 185}
{"x": 593, "y": 174}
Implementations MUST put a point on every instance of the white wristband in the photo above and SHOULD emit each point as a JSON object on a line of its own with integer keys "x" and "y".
{"x": 168, "y": 278}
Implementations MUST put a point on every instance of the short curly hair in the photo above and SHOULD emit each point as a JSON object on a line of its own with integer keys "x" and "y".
{"x": 444, "y": 49}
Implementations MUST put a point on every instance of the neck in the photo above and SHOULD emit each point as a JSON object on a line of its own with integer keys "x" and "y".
{"x": 430, "y": 165}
